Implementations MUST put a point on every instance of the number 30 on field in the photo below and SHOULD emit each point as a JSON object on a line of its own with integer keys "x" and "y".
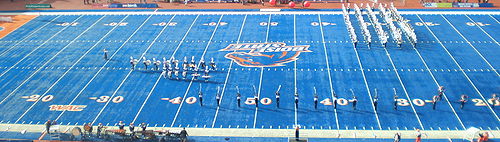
{"x": 104, "y": 99}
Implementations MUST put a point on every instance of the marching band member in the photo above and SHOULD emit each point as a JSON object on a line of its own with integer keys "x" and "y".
{"x": 212, "y": 64}
{"x": 146, "y": 63}
{"x": 192, "y": 65}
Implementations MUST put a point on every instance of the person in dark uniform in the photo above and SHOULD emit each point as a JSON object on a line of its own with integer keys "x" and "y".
{"x": 192, "y": 65}
{"x": 131, "y": 127}
{"x": 256, "y": 98}
{"x": 86, "y": 129}
{"x": 146, "y": 63}
{"x": 277, "y": 93}
{"x": 440, "y": 92}
{"x": 354, "y": 102}
{"x": 157, "y": 63}
{"x": 395, "y": 102}
{"x": 143, "y": 126}
{"x": 183, "y": 135}
{"x": 165, "y": 62}
{"x": 296, "y": 100}
{"x": 238, "y": 99}
{"x": 105, "y": 54}
{"x": 494, "y": 100}
{"x": 348, "y": 8}
{"x": 121, "y": 125}
{"x": 334, "y": 100}
{"x": 315, "y": 101}
{"x": 397, "y": 137}
{"x": 99, "y": 129}
{"x": 296, "y": 133}
{"x": 47, "y": 126}
{"x": 202, "y": 63}
{"x": 90, "y": 129}
{"x": 238, "y": 96}
{"x": 434, "y": 101}
{"x": 462, "y": 100}
{"x": 315, "y": 98}
{"x": 217, "y": 96}
{"x": 200, "y": 96}
{"x": 212, "y": 64}
{"x": 133, "y": 62}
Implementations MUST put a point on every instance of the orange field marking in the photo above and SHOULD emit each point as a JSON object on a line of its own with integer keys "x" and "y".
{"x": 17, "y": 21}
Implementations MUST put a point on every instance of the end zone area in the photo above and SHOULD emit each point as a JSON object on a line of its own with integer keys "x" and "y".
{"x": 12, "y": 22}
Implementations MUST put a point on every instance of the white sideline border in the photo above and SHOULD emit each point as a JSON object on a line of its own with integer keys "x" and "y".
{"x": 262, "y": 11}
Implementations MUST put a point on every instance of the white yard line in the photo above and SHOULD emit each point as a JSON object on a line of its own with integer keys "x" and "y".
{"x": 483, "y": 30}
{"x": 473, "y": 47}
{"x": 295, "y": 65}
{"x": 47, "y": 62}
{"x": 261, "y": 74}
{"x": 191, "y": 82}
{"x": 66, "y": 72}
{"x": 328, "y": 69}
{"x": 130, "y": 72}
{"x": 102, "y": 67}
{"x": 366, "y": 85}
{"x": 28, "y": 36}
{"x": 461, "y": 69}
{"x": 406, "y": 92}
{"x": 158, "y": 79}
{"x": 228, "y": 72}
{"x": 494, "y": 18}
{"x": 258, "y": 96}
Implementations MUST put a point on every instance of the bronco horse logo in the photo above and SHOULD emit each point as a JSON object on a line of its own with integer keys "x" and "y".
{"x": 264, "y": 54}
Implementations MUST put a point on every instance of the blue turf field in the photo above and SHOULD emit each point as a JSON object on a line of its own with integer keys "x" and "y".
{"x": 58, "y": 60}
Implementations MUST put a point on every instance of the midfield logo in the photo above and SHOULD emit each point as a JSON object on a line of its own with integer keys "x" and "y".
{"x": 264, "y": 54}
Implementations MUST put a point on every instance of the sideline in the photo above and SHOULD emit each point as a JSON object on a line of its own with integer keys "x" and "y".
{"x": 310, "y": 133}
